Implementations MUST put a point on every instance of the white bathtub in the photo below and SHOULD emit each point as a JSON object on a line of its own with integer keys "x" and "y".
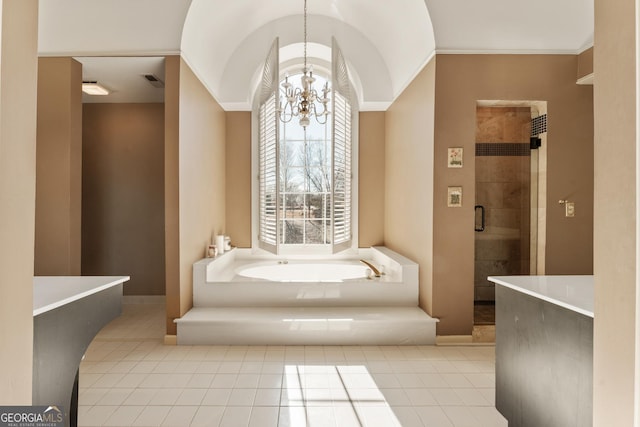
{"x": 305, "y": 271}
{"x": 238, "y": 278}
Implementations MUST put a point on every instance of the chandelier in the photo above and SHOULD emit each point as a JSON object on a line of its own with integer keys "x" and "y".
{"x": 304, "y": 102}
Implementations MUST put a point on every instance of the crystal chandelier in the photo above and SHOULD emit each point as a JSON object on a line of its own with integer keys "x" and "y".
{"x": 304, "y": 102}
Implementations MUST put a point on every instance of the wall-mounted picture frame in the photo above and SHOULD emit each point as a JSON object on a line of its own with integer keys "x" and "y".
{"x": 454, "y": 197}
{"x": 454, "y": 157}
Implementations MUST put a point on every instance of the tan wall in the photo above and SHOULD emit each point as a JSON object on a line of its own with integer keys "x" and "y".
{"x": 18, "y": 82}
{"x": 201, "y": 176}
{"x": 123, "y": 194}
{"x": 585, "y": 63}
{"x": 408, "y": 214}
{"x": 461, "y": 80}
{"x": 615, "y": 323}
{"x": 59, "y": 167}
{"x": 371, "y": 178}
{"x": 238, "y": 178}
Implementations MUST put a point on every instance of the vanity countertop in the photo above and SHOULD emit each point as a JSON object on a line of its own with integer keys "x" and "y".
{"x": 50, "y": 292}
{"x": 572, "y": 292}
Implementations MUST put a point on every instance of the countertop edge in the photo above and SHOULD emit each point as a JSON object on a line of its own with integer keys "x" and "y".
{"x": 501, "y": 280}
{"x": 113, "y": 281}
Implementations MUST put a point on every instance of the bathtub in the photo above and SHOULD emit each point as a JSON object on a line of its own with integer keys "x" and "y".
{"x": 238, "y": 278}
{"x": 305, "y": 271}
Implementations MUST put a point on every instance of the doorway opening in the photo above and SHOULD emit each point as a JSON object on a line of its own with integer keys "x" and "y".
{"x": 510, "y": 196}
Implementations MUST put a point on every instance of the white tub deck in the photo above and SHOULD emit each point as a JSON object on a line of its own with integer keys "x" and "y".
{"x": 232, "y": 310}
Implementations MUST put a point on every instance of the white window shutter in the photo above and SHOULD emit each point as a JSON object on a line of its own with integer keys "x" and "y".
{"x": 268, "y": 152}
{"x": 342, "y": 110}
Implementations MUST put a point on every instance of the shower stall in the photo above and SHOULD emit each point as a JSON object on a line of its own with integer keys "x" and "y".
{"x": 507, "y": 197}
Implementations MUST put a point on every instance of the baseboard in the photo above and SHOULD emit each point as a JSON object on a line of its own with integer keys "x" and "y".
{"x": 143, "y": 299}
{"x": 465, "y": 340}
{"x": 453, "y": 339}
{"x": 170, "y": 340}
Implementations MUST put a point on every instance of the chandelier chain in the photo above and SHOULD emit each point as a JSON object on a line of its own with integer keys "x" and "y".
{"x": 304, "y": 102}
{"x": 305, "y": 35}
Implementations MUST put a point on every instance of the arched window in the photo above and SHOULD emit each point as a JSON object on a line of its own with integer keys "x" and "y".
{"x": 305, "y": 174}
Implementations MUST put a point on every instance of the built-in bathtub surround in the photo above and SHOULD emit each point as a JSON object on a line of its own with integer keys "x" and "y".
{"x": 225, "y": 282}
{"x": 297, "y": 300}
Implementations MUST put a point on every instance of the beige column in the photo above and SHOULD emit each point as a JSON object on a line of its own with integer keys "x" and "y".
{"x": 171, "y": 191}
{"x": 59, "y": 167}
{"x": 615, "y": 214}
{"x": 18, "y": 80}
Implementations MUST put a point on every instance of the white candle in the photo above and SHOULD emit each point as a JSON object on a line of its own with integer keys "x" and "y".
{"x": 220, "y": 244}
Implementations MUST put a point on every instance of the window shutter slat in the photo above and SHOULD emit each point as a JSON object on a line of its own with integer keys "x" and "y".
{"x": 342, "y": 113}
{"x": 268, "y": 152}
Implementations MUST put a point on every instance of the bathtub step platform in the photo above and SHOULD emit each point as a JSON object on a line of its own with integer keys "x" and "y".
{"x": 306, "y": 326}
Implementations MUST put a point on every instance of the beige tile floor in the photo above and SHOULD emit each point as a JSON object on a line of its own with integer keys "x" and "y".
{"x": 129, "y": 378}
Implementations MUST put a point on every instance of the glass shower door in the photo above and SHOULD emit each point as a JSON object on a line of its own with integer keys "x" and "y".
{"x": 503, "y": 200}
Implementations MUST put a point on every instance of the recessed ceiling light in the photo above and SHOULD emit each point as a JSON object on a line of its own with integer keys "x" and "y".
{"x": 94, "y": 88}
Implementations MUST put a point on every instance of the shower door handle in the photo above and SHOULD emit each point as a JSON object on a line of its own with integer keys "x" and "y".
{"x": 481, "y": 228}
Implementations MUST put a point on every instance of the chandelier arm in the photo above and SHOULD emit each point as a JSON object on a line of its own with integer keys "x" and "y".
{"x": 285, "y": 117}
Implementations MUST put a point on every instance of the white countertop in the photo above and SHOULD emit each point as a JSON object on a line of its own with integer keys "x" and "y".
{"x": 572, "y": 292}
{"x": 51, "y": 292}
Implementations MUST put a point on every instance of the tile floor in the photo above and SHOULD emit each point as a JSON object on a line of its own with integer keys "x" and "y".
{"x": 129, "y": 378}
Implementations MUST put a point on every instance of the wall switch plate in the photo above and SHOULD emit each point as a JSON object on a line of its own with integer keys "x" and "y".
{"x": 570, "y": 209}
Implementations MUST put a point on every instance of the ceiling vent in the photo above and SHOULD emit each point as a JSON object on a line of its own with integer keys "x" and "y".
{"x": 154, "y": 80}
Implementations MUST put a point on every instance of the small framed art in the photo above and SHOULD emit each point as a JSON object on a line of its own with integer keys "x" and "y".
{"x": 454, "y": 197}
{"x": 454, "y": 157}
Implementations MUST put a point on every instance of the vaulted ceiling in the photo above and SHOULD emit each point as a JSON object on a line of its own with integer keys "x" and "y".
{"x": 386, "y": 43}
